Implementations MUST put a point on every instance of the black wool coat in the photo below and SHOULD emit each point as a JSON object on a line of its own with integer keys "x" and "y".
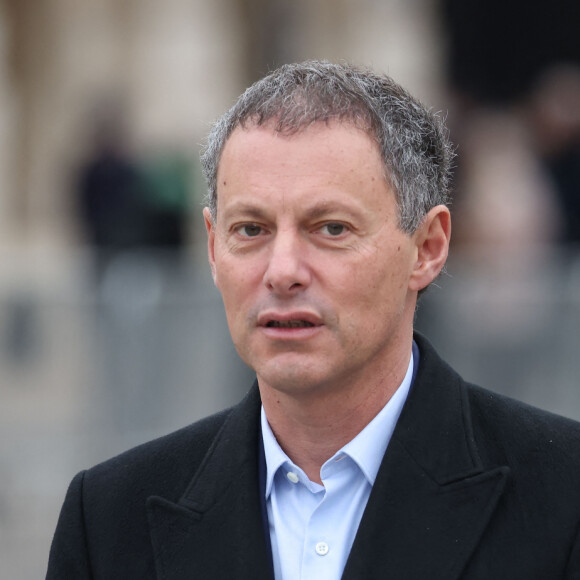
{"x": 473, "y": 486}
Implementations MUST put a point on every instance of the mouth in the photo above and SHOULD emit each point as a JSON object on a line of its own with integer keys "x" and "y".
{"x": 289, "y": 324}
{"x": 297, "y": 323}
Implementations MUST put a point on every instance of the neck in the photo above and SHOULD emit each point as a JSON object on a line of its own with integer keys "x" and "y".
{"x": 312, "y": 427}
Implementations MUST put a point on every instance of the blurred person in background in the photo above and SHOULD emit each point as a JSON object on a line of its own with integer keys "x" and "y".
{"x": 166, "y": 182}
{"x": 358, "y": 453}
{"x": 109, "y": 191}
{"x": 129, "y": 204}
{"x": 553, "y": 114}
{"x": 514, "y": 82}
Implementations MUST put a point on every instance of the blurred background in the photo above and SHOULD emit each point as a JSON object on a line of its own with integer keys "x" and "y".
{"x": 110, "y": 329}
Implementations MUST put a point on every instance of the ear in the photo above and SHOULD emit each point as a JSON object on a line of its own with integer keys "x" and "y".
{"x": 432, "y": 243}
{"x": 210, "y": 228}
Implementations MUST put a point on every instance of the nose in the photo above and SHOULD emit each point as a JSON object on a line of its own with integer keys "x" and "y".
{"x": 287, "y": 271}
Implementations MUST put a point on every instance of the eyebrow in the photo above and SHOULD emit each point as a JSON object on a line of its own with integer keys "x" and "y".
{"x": 246, "y": 209}
{"x": 321, "y": 209}
{"x": 325, "y": 208}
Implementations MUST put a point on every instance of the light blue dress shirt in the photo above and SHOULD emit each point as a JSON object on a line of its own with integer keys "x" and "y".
{"x": 312, "y": 526}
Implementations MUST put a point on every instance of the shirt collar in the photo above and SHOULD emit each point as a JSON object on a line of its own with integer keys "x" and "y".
{"x": 366, "y": 449}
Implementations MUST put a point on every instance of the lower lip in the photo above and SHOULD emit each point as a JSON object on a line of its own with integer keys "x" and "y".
{"x": 296, "y": 333}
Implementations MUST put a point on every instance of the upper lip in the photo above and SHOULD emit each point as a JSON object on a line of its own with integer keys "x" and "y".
{"x": 268, "y": 317}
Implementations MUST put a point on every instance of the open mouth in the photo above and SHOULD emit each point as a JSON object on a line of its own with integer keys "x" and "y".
{"x": 289, "y": 324}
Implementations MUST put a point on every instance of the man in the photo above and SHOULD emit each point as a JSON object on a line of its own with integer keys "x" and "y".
{"x": 358, "y": 454}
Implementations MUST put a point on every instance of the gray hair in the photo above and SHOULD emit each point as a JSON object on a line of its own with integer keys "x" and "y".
{"x": 413, "y": 141}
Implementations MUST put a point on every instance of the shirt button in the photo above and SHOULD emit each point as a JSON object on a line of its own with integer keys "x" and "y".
{"x": 322, "y": 548}
{"x": 292, "y": 477}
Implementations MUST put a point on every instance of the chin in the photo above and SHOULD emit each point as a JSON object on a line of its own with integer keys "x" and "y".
{"x": 290, "y": 379}
{"x": 294, "y": 379}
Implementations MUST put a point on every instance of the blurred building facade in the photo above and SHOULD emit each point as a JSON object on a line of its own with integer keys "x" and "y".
{"x": 175, "y": 66}
{"x": 90, "y": 365}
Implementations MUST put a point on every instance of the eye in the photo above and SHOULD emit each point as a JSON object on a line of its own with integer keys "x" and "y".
{"x": 333, "y": 229}
{"x": 249, "y": 230}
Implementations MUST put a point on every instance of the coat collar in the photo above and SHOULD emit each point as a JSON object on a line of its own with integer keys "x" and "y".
{"x": 428, "y": 509}
{"x": 433, "y": 497}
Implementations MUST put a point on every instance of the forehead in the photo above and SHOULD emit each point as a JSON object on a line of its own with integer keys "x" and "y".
{"x": 322, "y": 164}
{"x": 318, "y": 143}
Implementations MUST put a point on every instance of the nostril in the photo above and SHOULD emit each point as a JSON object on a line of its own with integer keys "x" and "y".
{"x": 286, "y": 274}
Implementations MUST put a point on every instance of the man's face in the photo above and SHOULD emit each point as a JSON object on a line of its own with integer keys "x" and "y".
{"x": 313, "y": 270}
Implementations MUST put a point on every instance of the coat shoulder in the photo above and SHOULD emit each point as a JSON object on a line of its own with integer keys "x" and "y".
{"x": 524, "y": 436}
{"x": 163, "y": 465}
{"x": 103, "y": 522}
{"x": 520, "y": 418}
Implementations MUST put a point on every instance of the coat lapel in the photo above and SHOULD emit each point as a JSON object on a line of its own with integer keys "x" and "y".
{"x": 432, "y": 499}
{"x": 216, "y": 529}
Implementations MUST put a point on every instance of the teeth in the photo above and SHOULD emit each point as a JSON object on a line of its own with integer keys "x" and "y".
{"x": 289, "y": 324}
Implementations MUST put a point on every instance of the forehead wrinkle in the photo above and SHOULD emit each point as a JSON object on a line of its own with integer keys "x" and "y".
{"x": 327, "y": 207}
{"x": 246, "y": 209}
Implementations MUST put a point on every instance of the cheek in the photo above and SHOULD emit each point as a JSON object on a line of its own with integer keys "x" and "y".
{"x": 382, "y": 284}
{"x": 239, "y": 285}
